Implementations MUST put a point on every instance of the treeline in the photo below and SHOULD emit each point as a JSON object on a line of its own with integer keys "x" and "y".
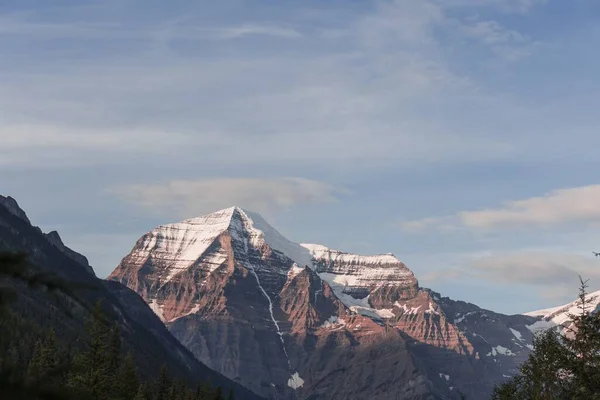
{"x": 36, "y": 364}
{"x": 563, "y": 365}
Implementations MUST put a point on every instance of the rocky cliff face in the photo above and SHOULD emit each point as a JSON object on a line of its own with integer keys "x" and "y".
{"x": 305, "y": 321}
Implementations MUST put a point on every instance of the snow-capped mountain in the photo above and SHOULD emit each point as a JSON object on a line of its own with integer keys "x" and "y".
{"x": 560, "y": 316}
{"x": 291, "y": 320}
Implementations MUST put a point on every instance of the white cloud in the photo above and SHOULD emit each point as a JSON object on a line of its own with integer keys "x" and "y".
{"x": 563, "y": 206}
{"x": 552, "y": 275}
{"x": 196, "y": 197}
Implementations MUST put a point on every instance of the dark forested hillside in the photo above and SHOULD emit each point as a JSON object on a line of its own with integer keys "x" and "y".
{"x": 56, "y": 315}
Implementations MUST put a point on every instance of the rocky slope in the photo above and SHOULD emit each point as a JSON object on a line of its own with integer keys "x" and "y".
{"x": 142, "y": 332}
{"x": 304, "y": 321}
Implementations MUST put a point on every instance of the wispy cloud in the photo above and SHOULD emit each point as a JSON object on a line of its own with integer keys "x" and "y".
{"x": 308, "y": 104}
{"x": 553, "y": 275}
{"x": 178, "y": 28}
{"x": 507, "y": 44}
{"x": 196, "y": 197}
{"x": 254, "y": 29}
{"x": 506, "y": 6}
{"x": 35, "y": 145}
{"x": 536, "y": 268}
{"x": 562, "y": 206}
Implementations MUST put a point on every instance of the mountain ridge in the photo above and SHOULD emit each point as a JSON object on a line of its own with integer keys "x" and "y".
{"x": 560, "y": 316}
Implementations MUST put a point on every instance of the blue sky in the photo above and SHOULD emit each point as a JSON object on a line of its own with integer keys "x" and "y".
{"x": 461, "y": 135}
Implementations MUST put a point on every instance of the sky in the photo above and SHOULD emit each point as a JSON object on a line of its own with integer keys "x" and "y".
{"x": 461, "y": 135}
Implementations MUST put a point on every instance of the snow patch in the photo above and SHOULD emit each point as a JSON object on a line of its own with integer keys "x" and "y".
{"x": 181, "y": 244}
{"x": 517, "y": 334}
{"x": 444, "y": 376}
{"x": 385, "y": 313}
{"x": 541, "y": 326}
{"x": 502, "y": 350}
{"x": 271, "y": 312}
{"x": 194, "y": 310}
{"x": 334, "y": 322}
{"x": 406, "y": 309}
{"x": 431, "y": 309}
{"x": 295, "y": 381}
{"x": 158, "y": 309}
{"x": 358, "y": 306}
{"x": 295, "y": 270}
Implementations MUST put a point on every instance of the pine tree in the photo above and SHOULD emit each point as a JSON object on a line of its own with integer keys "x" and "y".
{"x": 128, "y": 379}
{"x": 164, "y": 385}
{"x": 208, "y": 389}
{"x": 181, "y": 390}
{"x": 142, "y": 393}
{"x": 173, "y": 392}
{"x": 35, "y": 365}
{"x": 200, "y": 393}
{"x": 218, "y": 393}
{"x": 91, "y": 373}
{"x": 44, "y": 360}
{"x": 582, "y": 342}
{"x": 114, "y": 348}
{"x": 230, "y": 396}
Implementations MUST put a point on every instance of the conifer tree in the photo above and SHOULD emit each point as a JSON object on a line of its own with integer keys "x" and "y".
{"x": 208, "y": 389}
{"x": 35, "y": 365}
{"x": 164, "y": 385}
{"x": 91, "y": 372}
{"x": 200, "y": 393}
{"x": 582, "y": 343}
{"x": 142, "y": 393}
{"x": 114, "y": 348}
{"x": 218, "y": 393}
{"x": 44, "y": 360}
{"x": 128, "y": 379}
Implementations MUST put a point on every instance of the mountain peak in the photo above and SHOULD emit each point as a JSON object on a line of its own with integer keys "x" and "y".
{"x": 223, "y": 215}
{"x": 13, "y": 207}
